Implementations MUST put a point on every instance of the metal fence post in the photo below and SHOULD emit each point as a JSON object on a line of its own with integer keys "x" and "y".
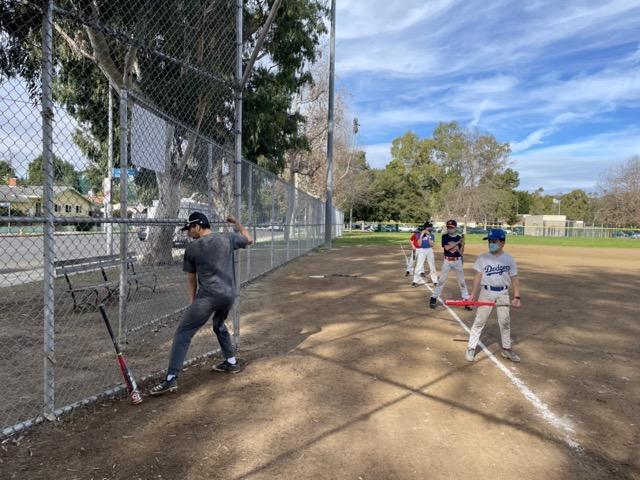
{"x": 210, "y": 176}
{"x": 250, "y": 219}
{"x": 273, "y": 214}
{"x": 108, "y": 183}
{"x": 124, "y": 227}
{"x": 48, "y": 200}
{"x": 288, "y": 220}
{"x": 307, "y": 227}
{"x": 238, "y": 158}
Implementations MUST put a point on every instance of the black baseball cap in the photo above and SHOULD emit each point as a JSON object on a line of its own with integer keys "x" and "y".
{"x": 452, "y": 223}
{"x": 196, "y": 218}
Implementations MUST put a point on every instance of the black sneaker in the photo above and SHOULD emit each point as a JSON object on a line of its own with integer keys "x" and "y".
{"x": 423, "y": 274}
{"x": 407, "y": 273}
{"x": 433, "y": 302}
{"x": 165, "y": 386}
{"x": 414, "y": 284}
{"x": 468, "y": 307}
{"x": 226, "y": 367}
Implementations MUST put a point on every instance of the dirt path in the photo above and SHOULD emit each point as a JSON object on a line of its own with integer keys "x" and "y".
{"x": 354, "y": 377}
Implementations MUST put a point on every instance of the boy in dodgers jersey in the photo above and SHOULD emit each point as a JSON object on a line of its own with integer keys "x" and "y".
{"x": 496, "y": 274}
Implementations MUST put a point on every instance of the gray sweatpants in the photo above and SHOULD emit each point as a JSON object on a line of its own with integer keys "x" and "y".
{"x": 457, "y": 266}
{"x": 196, "y": 316}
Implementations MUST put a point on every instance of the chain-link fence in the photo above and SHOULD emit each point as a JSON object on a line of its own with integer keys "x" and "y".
{"x": 538, "y": 227}
{"x": 131, "y": 126}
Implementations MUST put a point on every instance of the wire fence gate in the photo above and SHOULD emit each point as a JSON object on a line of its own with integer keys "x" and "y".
{"x": 132, "y": 125}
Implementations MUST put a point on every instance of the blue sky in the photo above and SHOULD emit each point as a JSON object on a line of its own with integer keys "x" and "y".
{"x": 21, "y": 130}
{"x": 559, "y": 81}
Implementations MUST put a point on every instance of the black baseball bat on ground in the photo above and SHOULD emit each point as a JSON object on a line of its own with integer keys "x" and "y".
{"x": 129, "y": 381}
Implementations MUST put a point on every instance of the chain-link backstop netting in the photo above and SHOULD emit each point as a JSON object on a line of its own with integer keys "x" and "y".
{"x": 101, "y": 160}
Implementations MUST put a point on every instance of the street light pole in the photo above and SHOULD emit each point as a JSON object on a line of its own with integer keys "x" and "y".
{"x": 328, "y": 214}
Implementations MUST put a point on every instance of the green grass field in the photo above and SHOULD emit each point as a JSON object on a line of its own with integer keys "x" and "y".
{"x": 359, "y": 238}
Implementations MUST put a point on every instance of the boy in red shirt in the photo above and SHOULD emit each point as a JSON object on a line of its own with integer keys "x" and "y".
{"x": 414, "y": 240}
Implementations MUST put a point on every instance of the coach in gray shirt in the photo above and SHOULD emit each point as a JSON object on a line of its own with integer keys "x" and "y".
{"x": 208, "y": 262}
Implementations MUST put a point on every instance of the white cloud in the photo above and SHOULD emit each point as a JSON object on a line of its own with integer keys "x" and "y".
{"x": 576, "y": 164}
{"x": 357, "y": 19}
{"x": 472, "y": 35}
{"x": 532, "y": 139}
{"x": 611, "y": 85}
{"x": 535, "y": 138}
{"x": 478, "y": 113}
{"x": 378, "y": 155}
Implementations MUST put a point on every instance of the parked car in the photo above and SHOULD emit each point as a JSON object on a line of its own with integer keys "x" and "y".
{"x": 179, "y": 240}
{"x": 405, "y": 228}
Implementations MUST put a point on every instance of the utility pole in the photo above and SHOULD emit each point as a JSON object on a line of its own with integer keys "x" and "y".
{"x": 356, "y": 129}
{"x": 328, "y": 214}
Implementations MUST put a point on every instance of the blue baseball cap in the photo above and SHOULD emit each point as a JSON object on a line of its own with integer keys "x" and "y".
{"x": 496, "y": 234}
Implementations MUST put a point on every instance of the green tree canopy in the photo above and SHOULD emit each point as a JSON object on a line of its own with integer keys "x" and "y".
{"x": 577, "y": 205}
{"x": 454, "y": 173}
{"x": 6, "y": 171}
{"x": 64, "y": 173}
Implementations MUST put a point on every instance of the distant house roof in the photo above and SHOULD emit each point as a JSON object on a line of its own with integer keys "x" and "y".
{"x": 12, "y": 195}
{"x": 28, "y": 192}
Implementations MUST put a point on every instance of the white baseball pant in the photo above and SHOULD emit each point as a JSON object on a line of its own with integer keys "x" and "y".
{"x": 411, "y": 260}
{"x": 457, "y": 266}
{"x": 425, "y": 254}
{"x": 483, "y": 314}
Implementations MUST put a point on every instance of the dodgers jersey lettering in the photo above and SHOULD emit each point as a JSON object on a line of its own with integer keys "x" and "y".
{"x": 496, "y": 270}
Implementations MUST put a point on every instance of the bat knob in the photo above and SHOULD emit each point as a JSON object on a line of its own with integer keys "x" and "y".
{"x": 136, "y": 398}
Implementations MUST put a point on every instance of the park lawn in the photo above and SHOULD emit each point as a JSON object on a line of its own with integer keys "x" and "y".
{"x": 384, "y": 238}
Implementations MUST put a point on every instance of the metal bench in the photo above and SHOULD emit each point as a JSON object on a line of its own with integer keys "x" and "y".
{"x": 140, "y": 279}
{"x": 97, "y": 293}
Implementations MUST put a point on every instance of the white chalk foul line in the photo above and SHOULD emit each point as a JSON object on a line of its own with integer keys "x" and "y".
{"x": 540, "y": 406}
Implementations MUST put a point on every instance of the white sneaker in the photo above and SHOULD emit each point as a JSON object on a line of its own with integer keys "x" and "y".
{"x": 470, "y": 354}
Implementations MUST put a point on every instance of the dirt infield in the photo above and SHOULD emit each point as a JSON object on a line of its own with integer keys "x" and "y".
{"x": 352, "y": 376}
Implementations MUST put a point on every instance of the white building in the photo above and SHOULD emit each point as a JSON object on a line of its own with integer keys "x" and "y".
{"x": 545, "y": 225}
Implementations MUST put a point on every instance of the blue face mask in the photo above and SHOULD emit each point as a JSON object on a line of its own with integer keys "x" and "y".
{"x": 494, "y": 247}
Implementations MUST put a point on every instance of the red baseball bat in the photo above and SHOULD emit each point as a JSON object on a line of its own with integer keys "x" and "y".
{"x": 129, "y": 381}
{"x": 472, "y": 303}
